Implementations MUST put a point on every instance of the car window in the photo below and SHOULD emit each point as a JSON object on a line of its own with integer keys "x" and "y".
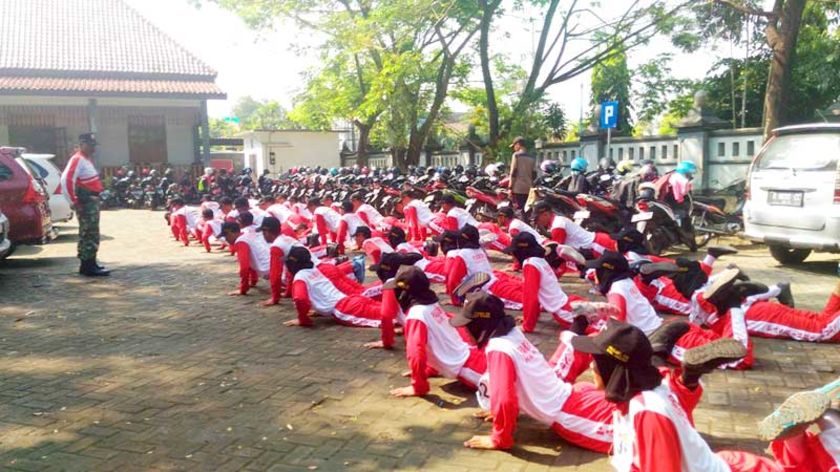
{"x": 818, "y": 151}
{"x": 38, "y": 168}
{"x": 5, "y": 173}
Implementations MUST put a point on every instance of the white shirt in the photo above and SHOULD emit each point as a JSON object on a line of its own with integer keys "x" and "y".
{"x": 281, "y": 212}
{"x": 193, "y": 214}
{"x": 373, "y": 216}
{"x": 518, "y": 226}
{"x": 475, "y": 259}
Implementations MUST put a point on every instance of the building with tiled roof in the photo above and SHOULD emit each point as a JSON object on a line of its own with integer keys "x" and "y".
{"x": 72, "y": 66}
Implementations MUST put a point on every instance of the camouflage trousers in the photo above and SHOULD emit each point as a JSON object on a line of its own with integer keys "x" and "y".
{"x": 88, "y": 213}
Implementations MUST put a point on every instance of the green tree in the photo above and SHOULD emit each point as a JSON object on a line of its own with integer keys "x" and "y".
{"x": 611, "y": 81}
{"x": 571, "y": 40}
{"x": 256, "y": 114}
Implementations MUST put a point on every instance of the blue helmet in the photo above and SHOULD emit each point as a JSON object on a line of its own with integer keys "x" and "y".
{"x": 579, "y": 164}
{"x": 686, "y": 167}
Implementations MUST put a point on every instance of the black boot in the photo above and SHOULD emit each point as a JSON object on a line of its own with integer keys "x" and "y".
{"x": 665, "y": 337}
{"x": 785, "y": 297}
{"x": 88, "y": 268}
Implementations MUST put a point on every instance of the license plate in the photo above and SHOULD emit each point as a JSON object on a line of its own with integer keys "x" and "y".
{"x": 643, "y": 216}
{"x": 581, "y": 215}
{"x": 793, "y": 199}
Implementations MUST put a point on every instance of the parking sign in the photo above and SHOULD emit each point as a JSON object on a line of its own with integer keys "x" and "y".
{"x": 609, "y": 114}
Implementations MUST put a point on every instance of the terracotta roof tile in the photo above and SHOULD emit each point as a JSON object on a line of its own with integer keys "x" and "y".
{"x": 88, "y": 37}
{"x": 128, "y": 87}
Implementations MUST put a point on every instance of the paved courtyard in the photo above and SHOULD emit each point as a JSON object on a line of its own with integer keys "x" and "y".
{"x": 155, "y": 368}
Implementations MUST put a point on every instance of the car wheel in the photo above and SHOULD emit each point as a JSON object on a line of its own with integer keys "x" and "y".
{"x": 11, "y": 251}
{"x": 788, "y": 255}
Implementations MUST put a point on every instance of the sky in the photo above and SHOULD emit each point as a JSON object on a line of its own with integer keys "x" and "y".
{"x": 268, "y": 65}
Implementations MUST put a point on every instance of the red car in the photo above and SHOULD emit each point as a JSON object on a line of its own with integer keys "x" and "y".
{"x": 23, "y": 201}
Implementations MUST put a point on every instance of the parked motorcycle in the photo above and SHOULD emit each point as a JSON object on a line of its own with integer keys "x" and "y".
{"x": 710, "y": 219}
{"x": 658, "y": 222}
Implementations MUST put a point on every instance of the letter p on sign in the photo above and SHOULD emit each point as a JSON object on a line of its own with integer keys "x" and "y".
{"x": 609, "y": 114}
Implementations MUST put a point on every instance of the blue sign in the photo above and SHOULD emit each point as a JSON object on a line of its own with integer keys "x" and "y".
{"x": 609, "y": 114}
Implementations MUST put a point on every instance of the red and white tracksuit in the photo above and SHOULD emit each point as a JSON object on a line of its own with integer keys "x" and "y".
{"x": 328, "y": 290}
{"x": 520, "y": 379}
{"x": 461, "y": 263}
{"x": 633, "y": 307}
{"x": 662, "y": 292}
{"x": 421, "y": 221}
{"x": 457, "y": 218}
{"x": 542, "y": 292}
{"x": 375, "y": 247}
{"x": 371, "y": 216}
{"x": 252, "y": 252}
{"x": 348, "y": 225}
{"x": 517, "y": 226}
{"x": 808, "y": 452}
{"x": 79, "y": 172}
{"x": 302, "y": 209}
{"x": 183, "y": 222}
{"x": 279, "y": 211}
{"x": 210, "y": 229}
{"x": 327, "y": 222}
{"x": 566, "y": 231}
{"x": 774, "y": 320}
{"x": 277, "y": 273}
{"x": 653, "y": 433}
{"x": 500, "y": 241}
{"x": 256, "y": 212}
{"x": 434, "y": 346}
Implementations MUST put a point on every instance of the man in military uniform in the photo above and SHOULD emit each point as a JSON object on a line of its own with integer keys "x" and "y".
{"x": 81, "y": 185}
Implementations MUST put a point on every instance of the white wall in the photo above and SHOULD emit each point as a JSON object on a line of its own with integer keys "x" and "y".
{"x": 291, "y": 149}
{"x": 179, "y": 143}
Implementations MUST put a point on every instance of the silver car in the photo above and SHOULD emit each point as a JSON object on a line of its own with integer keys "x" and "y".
{"x": 793, "y": 203}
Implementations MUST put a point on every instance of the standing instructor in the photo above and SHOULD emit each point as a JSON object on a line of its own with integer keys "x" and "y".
{"x": 523, "y": 171}
{"x": 82, "y": 186}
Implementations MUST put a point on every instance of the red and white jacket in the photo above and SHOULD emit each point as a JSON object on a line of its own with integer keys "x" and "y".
{"x": 327, "y": 221}
{"x": 457, "y": 218}
{"x": 566, "y": 231}
{"x": 252, "y": 251}
{"x": 370, "y": 215}
{"x": 655, "y": 434}
{"x": 517, "y": 226}
{"x": 347, "y": 226}
{"x": 433, "y": 345}
{"x": 80, "y": 172}
{"x": 542, "y": 291}
{"x": 520, "y": 379}
{"x": 375, "y": 247}
{"x": 633, "y": 307}
{"x": 417, "y": 217}
{"x": 464, "y": 262}
{"x": 279, "y": 211}
{"x": 185, "y": 221}
{"x": 324, "y": 288}
{"x": 278, "y": 250}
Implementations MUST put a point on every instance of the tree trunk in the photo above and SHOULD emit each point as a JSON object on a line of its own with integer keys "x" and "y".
{"x": 782, "y": 40}
{"x": 486, "y": 73}
{"x": 398, "y": 158}
{"x": 363, "y": 144}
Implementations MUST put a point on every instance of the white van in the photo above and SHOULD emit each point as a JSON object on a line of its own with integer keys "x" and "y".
{"x": 793, "y": 201}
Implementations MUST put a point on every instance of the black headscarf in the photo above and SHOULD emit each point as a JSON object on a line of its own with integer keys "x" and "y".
{"x": 610, "y": 268}
{"x": 449, "y": 240}
{"x": 630, "y": 239}
{"x": 523, "y": 246}
{"x": 298, "y": 259}
{"x": 469, "y": 238}
{"x": 396, "y": 236}
{"x": 390, "y": 263}
{"x": 690, "y": 279}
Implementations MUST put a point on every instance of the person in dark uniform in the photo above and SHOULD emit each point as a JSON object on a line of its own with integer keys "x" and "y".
{"x": 523, "y": 171}
{"x": 81, "y": 185}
